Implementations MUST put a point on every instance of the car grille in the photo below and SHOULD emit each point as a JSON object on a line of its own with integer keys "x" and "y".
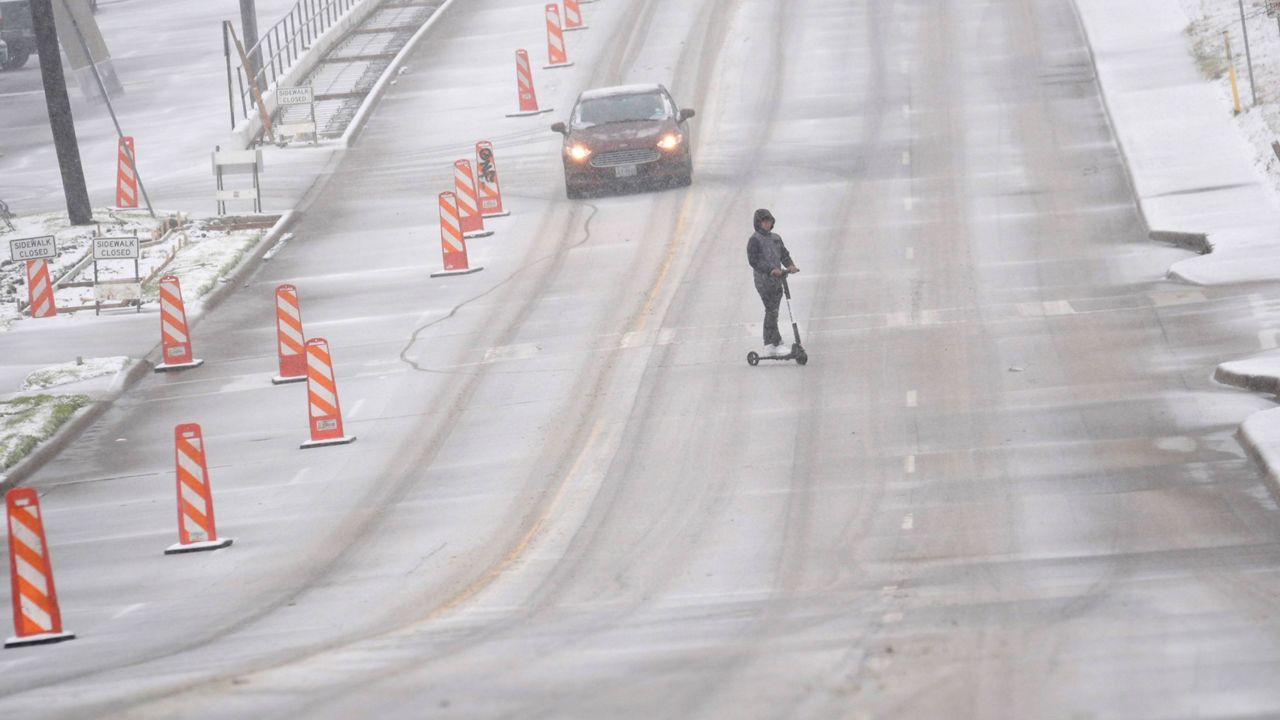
{"x": 625, "y": 157}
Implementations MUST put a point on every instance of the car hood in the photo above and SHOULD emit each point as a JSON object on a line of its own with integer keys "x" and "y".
{"x": 623, "y": 136}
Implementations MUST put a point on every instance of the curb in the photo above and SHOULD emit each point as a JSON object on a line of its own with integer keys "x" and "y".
{"x": 137, "y": 369}
{"x": 1247, "y": 381}
{"x": 375, "y": 94}
{"x": 247, "y": 264}
{"x": 71, "y": 429}
{"x": 1196, "y": 242}
{"x": 1255, "y": 445}
{"x": 1111, "y": 121}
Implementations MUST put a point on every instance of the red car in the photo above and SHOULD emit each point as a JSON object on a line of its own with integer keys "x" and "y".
{"x": 630, "y": 135}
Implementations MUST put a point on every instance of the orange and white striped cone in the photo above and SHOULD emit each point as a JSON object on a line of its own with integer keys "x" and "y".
{"x": 464, "y": 189}
{"x": 40, "y": 289}
{"x": 528, "y": 97}
{"x": 452, "y": 244}
{"x": 525, "y": 91}
{"x": 196, "y": 528}
{"x": 557, "y": 56}
{"x": 322, "y": 398}
{"x": 126, "y": 175}
{"x": 289, "y": 337}
{"x": 573, "y": 16}
{"x": 490, "y": 189}
{"x": 36, "y": 617}
{"x": 175, "y": 342}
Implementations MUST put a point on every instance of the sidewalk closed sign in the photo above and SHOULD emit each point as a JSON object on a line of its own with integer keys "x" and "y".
{"x": 300, "y": 95}
{"x": 33, "y": 248}
{"x": 115, "y": 248}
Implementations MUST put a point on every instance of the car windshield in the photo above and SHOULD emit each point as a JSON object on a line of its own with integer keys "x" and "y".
{"x": 621, "y": 108}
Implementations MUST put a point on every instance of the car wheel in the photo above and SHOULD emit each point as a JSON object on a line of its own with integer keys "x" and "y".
{"x": 17, "y": 58}
{"x": 685, "y": 177}
{"x": 573, "y": 192}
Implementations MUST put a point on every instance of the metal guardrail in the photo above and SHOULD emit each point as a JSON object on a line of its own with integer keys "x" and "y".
{"x": 276, "y": 50}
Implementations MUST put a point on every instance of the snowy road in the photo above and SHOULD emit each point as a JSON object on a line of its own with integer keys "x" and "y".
{"x": 1004, "y": 486}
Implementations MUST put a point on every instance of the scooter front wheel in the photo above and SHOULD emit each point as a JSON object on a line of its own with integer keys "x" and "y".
{"x": 753, "y": 359}
{"x": 802, "y": 357}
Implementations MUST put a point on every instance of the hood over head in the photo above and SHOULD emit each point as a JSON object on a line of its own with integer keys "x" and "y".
{"x": 760, "y": 216}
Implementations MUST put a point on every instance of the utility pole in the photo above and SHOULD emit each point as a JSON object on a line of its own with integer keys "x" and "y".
{"x": 1248, "y": 58}
{"x": 60, "y": 119}
{"x": 249, "y": 26}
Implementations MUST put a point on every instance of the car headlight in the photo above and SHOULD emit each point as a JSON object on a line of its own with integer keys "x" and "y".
{"x": 578, "y": 152}
{"x": 670, "y": 141}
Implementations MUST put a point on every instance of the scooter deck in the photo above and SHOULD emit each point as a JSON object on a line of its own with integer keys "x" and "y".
{"x": 797, "y": 353}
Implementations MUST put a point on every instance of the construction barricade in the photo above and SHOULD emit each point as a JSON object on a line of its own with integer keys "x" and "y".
{"x": 557, "y": 55}
{"x": 126, "y": 174}
{"x": 175, "y": 341}
{"x": 527, "y": 96}
{"x": 487, "y": 183}
{"x": 452, "y": 245}
{"x": 290, "y": 350}
{"x": 573, "y": 16}
{"x": 464, "y": 190}
{"x": 37, "y": 620}
{"x": 323, "y": 408}
{"x": 196, "y": 528}
{"x": 40, "y": 289}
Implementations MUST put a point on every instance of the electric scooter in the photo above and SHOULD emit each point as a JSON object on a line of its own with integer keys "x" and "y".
{"x": 797, "y": 350}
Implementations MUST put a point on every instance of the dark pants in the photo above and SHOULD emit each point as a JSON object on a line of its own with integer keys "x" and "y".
{"x": 771, "y": 295}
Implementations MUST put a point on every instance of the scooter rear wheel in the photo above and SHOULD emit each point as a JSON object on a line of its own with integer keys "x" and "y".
{"x": 752, "y": 358}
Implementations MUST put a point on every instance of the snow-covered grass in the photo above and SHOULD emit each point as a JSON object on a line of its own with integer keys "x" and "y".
{"x": 73, "y": 371}
{"x": 207, "y": 255}
{"x": 27, "y": 421}
{"x": 1260, "y": 123}
{"x": 73, "y": 243}
{"x": 200, "y": 253}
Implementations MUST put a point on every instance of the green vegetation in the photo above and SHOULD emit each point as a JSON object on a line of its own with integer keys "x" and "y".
{"x": 1206, "y": 47}
{"x": 27, "y": 421}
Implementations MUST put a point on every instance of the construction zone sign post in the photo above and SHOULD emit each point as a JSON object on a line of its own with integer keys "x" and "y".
{"x": 289, "y": 97}
{"x": 118, "y": 292}
{"x": 36, "y": 252}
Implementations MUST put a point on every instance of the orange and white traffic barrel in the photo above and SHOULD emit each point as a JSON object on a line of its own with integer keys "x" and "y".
{"x": 452, "y": 245}
{"x": 573, "y": 16}
{"x": 464, "y": 189}
{"x": 37, "y": 620}
{"x": 490, "y": 189}
{"x": 527, "y": 96}
{"x": 196, "y": 528}
{"x": 40, "y": 289}
{"x": 323, "y": 408}
{"x": 557, "y": 55}
{"x": 290, "y": 352}
{"x": 175, "y": 340}
{"x": 126, "y": 174}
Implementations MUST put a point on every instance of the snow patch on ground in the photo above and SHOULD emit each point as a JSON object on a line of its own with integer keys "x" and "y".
{"x": 199, "y": 253}
{"x": 73, "y": 371}
{"x": 25, "y": 422}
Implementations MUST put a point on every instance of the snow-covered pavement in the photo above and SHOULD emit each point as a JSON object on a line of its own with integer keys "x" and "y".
{"x": 1195, "y": 171}
{"x": 1004, "y": 486}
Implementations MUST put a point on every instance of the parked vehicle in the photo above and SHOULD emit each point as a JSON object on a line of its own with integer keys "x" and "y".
{"x": 629, "y": 135}
{"x": 18, "y": 32}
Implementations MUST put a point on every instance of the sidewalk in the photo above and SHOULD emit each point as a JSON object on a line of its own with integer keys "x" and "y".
{"x": 1192, "y": 171}
{"x": 177, "y": 182}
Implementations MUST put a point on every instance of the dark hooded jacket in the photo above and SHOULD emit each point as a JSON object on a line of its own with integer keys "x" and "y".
{"x": 765, "y": 252}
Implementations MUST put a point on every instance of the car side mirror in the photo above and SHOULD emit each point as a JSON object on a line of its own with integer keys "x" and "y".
{"x": 560, "y": 128}
{"x": 685, "y": 114}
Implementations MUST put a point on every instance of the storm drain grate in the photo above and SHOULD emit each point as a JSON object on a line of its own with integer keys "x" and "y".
{"x": 344, "y": 77}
